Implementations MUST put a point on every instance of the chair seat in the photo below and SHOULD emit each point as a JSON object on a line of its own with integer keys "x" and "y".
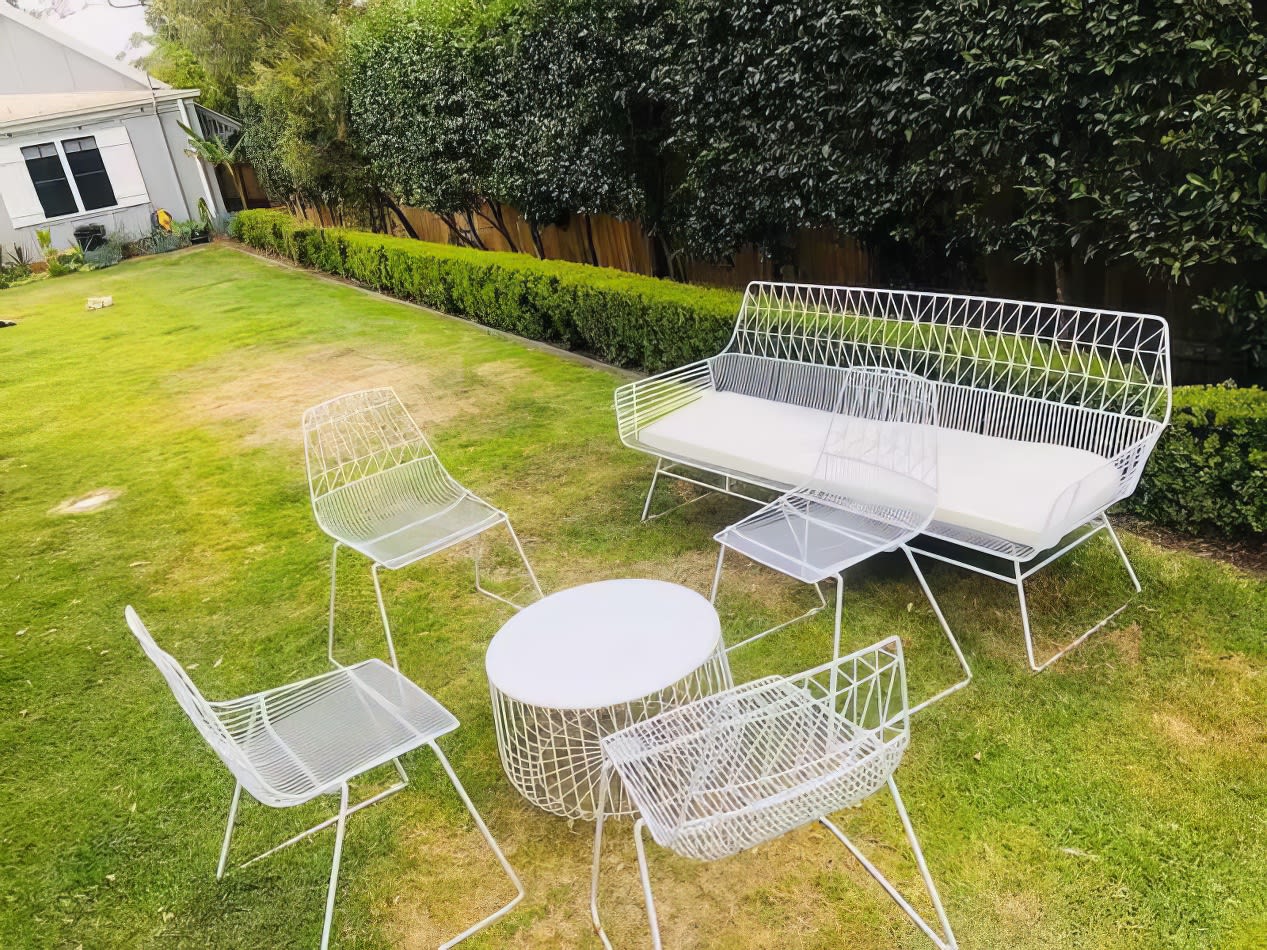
{"x": 730, "y": 771}
{"x": 810, "y": 540}
{"x": 306, "y": 738}
{"x": 404, "y": 524}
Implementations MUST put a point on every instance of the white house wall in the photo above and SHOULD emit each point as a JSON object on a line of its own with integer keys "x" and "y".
{"x": 33, "y": 63}
{"x": 171, "y": 180}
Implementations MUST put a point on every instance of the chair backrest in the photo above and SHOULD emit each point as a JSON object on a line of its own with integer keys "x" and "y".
{"x": 881, "y": 446}
{"x": 196, "y": 707}
{"x": 1102, "y": 360}
{"x": 357, "y": 435}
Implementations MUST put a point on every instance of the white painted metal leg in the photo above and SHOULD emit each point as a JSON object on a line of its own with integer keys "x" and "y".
{"x": 228, "y": 831}
{"x": 818, "y": 589}
{"x": 522, "y": 556}
{"x": 646, "y": 505}
{"x": 334, "y": 568}
{"x": 382, "y": 609}
{"x": 835, "y": 640}
{"x": 1073, "y": 644}
{"x": 645, "y": 874}
{"x": 600, "y": 815}
{"x": 941, "y": 619}
{"x": 1121, "y": 552}
{"x": 492, "y": 843}
{"x": 334, "y": 868}
{"x": 944, "y": 940}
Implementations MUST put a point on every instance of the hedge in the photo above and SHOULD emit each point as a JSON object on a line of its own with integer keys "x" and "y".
{"x": 1208, "y": 473}
{"x": 625, "y": 319}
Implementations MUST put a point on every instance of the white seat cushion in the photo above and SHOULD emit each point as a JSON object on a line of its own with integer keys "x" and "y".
{"x": 994, "y": 486}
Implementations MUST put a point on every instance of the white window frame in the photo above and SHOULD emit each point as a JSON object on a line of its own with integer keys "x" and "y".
{"x": 57, "y": 143}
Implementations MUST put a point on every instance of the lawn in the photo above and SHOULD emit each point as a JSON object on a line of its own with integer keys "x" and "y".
{"x": 1118, "y": 800}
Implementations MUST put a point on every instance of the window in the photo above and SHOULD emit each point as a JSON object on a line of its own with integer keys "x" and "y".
{"x": 49, "y": 177}
{"x": 90, "y": 173}
{"x": 69, "y": 176}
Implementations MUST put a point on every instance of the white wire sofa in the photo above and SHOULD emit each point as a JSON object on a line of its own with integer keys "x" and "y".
{"x": 1047, "y": 413}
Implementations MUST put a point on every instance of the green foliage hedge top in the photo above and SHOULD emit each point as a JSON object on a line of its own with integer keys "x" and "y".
{"x": 1209, "y": 471}
{"x": 625, "y": 319}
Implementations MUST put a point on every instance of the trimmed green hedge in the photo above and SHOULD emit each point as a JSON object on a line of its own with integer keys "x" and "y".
{"x": 625, "y": 319}
{"x": 1208, "y": 473}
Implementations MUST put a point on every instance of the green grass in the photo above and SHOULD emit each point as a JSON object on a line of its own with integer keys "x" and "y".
{"x": 1118, "y": 800}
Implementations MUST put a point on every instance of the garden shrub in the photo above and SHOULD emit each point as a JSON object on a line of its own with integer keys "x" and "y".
{"x": 625, "y": 319}
{"x": 1209, "y": 471}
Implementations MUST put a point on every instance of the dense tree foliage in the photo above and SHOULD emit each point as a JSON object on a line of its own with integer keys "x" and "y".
{"x": 1058, "y": 133}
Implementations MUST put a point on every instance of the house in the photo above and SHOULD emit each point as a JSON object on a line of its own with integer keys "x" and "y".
{"x": 85, "y": 139}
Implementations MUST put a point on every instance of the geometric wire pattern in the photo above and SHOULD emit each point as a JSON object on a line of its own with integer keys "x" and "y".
{"x": 744, "y": 766}
{"x": 733, "y": 769}
{"x": 554, "y": 757}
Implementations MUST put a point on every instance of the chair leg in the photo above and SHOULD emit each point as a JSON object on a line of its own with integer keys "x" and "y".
{"x": 818, "y": 589}
{"x": 600, "y": 815}
{"x": 645, "y": 874}
{"x": 334, "y": 868}
{"x": 1121, "y": 552}
{"x": 228, "y": 831}
{"x": 334, "y": 569}
{"x": 382, "y": 609}
{"x": 946, "y": 939}
{"x": 646, "y": 505}
{"x": 492, "y": 843}
{"x": 532, "y": 575}
{"x": 941, "y": 619}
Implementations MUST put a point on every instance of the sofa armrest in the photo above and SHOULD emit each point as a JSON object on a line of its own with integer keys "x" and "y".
{"x": 1081, "y": 501}
{"x": 642, "y": 402}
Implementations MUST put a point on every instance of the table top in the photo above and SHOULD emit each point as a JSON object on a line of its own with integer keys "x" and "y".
{"x": 602, "y": 644}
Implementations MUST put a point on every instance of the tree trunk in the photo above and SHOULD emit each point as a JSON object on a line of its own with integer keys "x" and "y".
{"x": 590, "y": 249}
{"x": 536, "y": 240}
{"x": 499, "y": 224}
{"x": 1063, "y": 274}
{"x": 476, "y": 240}
{"x": 237, "y": 183}
{"x": 399, "y": 213}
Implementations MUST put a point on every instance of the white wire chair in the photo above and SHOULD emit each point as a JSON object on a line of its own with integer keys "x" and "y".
{"x": 873, "y": 489}
{"x": 729, "y": 771}
{"x": 289, "y": 745}
{"x": 1047, "y": 413}
{"x": 379, "y": 488}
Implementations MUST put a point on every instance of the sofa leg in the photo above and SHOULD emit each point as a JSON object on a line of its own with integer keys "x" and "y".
{"x": 1021, "y": 575}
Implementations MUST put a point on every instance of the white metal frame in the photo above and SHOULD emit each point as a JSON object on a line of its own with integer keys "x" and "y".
{"x": 738, "y": 768}
{"x": 379, "y": 488}
{"x": 294, "y": 743}
{"x": 553, "y": 757}
{"x": 1096, "y": 380}
{"x": 873, "y": 490}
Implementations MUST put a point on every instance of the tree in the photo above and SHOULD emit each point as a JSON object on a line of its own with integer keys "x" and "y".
{"x": 215, "y": 152}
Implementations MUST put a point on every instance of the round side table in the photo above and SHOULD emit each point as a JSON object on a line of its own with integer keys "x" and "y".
{"x": 582, "y": 663}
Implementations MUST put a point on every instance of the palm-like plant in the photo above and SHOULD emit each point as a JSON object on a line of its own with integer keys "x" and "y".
{"x": 217, "y": 153}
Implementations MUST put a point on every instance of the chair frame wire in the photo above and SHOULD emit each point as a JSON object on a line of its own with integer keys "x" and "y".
{"x": 1096, "y": 380}
{"x": 231, "y": 737}
{"x": 370, "y": 466}
{"x": 883, "y": 433}
{"x": 861, "y": 701}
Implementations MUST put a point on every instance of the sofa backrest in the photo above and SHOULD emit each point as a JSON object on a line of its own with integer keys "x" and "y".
{"x": 999, "y": 364}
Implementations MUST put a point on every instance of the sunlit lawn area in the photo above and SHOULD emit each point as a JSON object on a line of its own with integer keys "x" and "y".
{"x": 1118, "y": 800}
